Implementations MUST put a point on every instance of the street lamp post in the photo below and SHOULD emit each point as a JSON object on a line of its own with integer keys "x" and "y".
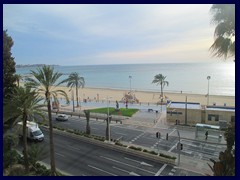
{"x": 108, "y": 119}
{"x": 130, "y": 78}
{"x": 208, "y": 78}
{"x": 179, "y": 149}
{"x": 174, "y": 110}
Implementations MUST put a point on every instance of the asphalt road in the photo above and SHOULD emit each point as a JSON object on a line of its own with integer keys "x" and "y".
{"x": 78, "y": 158}
{"x": 147, "y": 138}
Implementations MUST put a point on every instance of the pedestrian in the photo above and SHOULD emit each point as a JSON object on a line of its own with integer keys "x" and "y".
{"x": 206, "y": 134}
{"x": 126, "y": 104}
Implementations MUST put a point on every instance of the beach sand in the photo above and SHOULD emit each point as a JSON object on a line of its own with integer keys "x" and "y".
{"x": 95, "y": 94}
{"x": 145, "y": 97}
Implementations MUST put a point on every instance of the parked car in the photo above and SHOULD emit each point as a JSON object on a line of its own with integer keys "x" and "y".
{"x": 62, "y": 117}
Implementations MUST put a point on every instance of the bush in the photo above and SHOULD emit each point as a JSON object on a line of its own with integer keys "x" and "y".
{"x": 41, "y": 170}
{"x": 135, "y": 148}
{"x": 10, "y": 157}
{"x": 153, "y": 152}
{"x": 167, "y": 156}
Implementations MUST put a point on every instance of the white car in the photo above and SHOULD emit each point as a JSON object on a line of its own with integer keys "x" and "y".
{"x": 62, "y": 117}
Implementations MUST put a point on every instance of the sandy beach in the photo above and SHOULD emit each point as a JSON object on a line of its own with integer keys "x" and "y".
{"x": 94, "y": 94}
{"x": 100, "y": 94}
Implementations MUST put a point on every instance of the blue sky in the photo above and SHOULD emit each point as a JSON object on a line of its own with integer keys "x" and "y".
{"x": 109, "y": 34}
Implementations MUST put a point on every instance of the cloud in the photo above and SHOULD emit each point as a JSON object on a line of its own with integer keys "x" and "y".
{"x": 104, "y": 33}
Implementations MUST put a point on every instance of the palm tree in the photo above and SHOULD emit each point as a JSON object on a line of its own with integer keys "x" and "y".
{"x": 45, "y": 80}
{"x": 159, "y": 79}
{"x": 18, "y": 78}
{"x": 74, "y": 80}
{"x": 223, "y": 15}
{"x": 25, "y": 105}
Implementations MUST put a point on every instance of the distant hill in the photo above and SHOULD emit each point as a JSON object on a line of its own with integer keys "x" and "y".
{"x": 32, "y": 65}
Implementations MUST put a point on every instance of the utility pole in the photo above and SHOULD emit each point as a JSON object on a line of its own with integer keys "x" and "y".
{"x": 208, "y": 78}
{"x": 186, "y": 112}
{"x": 130, "y": 77}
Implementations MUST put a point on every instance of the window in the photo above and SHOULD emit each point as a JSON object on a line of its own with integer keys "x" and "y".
{"x": 213, "y": 117}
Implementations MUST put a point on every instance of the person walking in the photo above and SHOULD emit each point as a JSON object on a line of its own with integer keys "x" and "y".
{"x": 206, "y": 134}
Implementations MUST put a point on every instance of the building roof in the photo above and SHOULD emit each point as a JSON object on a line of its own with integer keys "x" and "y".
{"x": 182, "y": 105}
{"x": 220, "y": 108}
{"x": 207, "y": 126}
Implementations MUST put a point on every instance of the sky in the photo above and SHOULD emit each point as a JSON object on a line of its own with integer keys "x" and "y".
{"x": 82, "y": 34}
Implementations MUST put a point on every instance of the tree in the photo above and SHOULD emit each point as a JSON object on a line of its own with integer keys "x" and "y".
{"x": 36, "y": 153}
{"x": 223, "y": 16}
{"x": 87, "y": 114}
{"x": 24, "y": 104}
{"x": 45, "y": 80}
{"x": 8, "y": 66}
{"x": 10, "y": 156}
{"x": 159, "y": 79}
{"x": 75, "y": 80}
{"x": 226, "y": 164}
{"x": 230, "y": 137}
{"x": 18, "y": 78}
{"x": 108, "y": 120}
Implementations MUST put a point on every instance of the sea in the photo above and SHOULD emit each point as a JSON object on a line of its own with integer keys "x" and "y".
{"x": 182, "y": 77}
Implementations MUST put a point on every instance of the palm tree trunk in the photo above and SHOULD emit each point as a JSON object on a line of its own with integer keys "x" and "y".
{"x": 25, "y": 150}
{"x": 52, "y": 154}
{"x": 161, "y": 93}
{"x": 107, "y": 135}
{"x": 77, "y": 95}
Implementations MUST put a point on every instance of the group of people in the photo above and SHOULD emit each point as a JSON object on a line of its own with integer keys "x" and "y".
{"x": 126, "y": 104}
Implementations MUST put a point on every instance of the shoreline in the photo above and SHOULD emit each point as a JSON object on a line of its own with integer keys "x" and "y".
{"x": 153, "y": 91}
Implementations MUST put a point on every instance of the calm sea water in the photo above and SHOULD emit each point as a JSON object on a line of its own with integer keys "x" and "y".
{"x": 189, "y": 78}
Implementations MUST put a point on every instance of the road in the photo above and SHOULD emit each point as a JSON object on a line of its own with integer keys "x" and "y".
{"x": 80, "y": 158}
{"x": 147, "y": 137}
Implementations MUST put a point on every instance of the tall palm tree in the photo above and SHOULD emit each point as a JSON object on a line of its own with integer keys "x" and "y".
{"x": 159, "y": 79}
{"x": 75, "y": 80}
{"x": 24, "y": 104}
{"x": 223, "y": 16}
{"x": 45, "y": 80}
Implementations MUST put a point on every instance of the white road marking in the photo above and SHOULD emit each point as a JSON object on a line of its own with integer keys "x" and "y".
{"x": 172, "y": 132}
{"x": 142, "y": 163}
{"x": 74, "y": 148}
{"x": 188, "y": 152}
{"x": 121, "y": 134}
{"x": 173, "y": 147}
{"x": 127, "y": 164}
{"x": 130, "y": 173}
{"x": 102, "y": 170}
{"x": 134, "y": 174}
{"x": 121, "y": 169}
{"x": 60, "y": 154}
{"x": 160, "y": 170}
